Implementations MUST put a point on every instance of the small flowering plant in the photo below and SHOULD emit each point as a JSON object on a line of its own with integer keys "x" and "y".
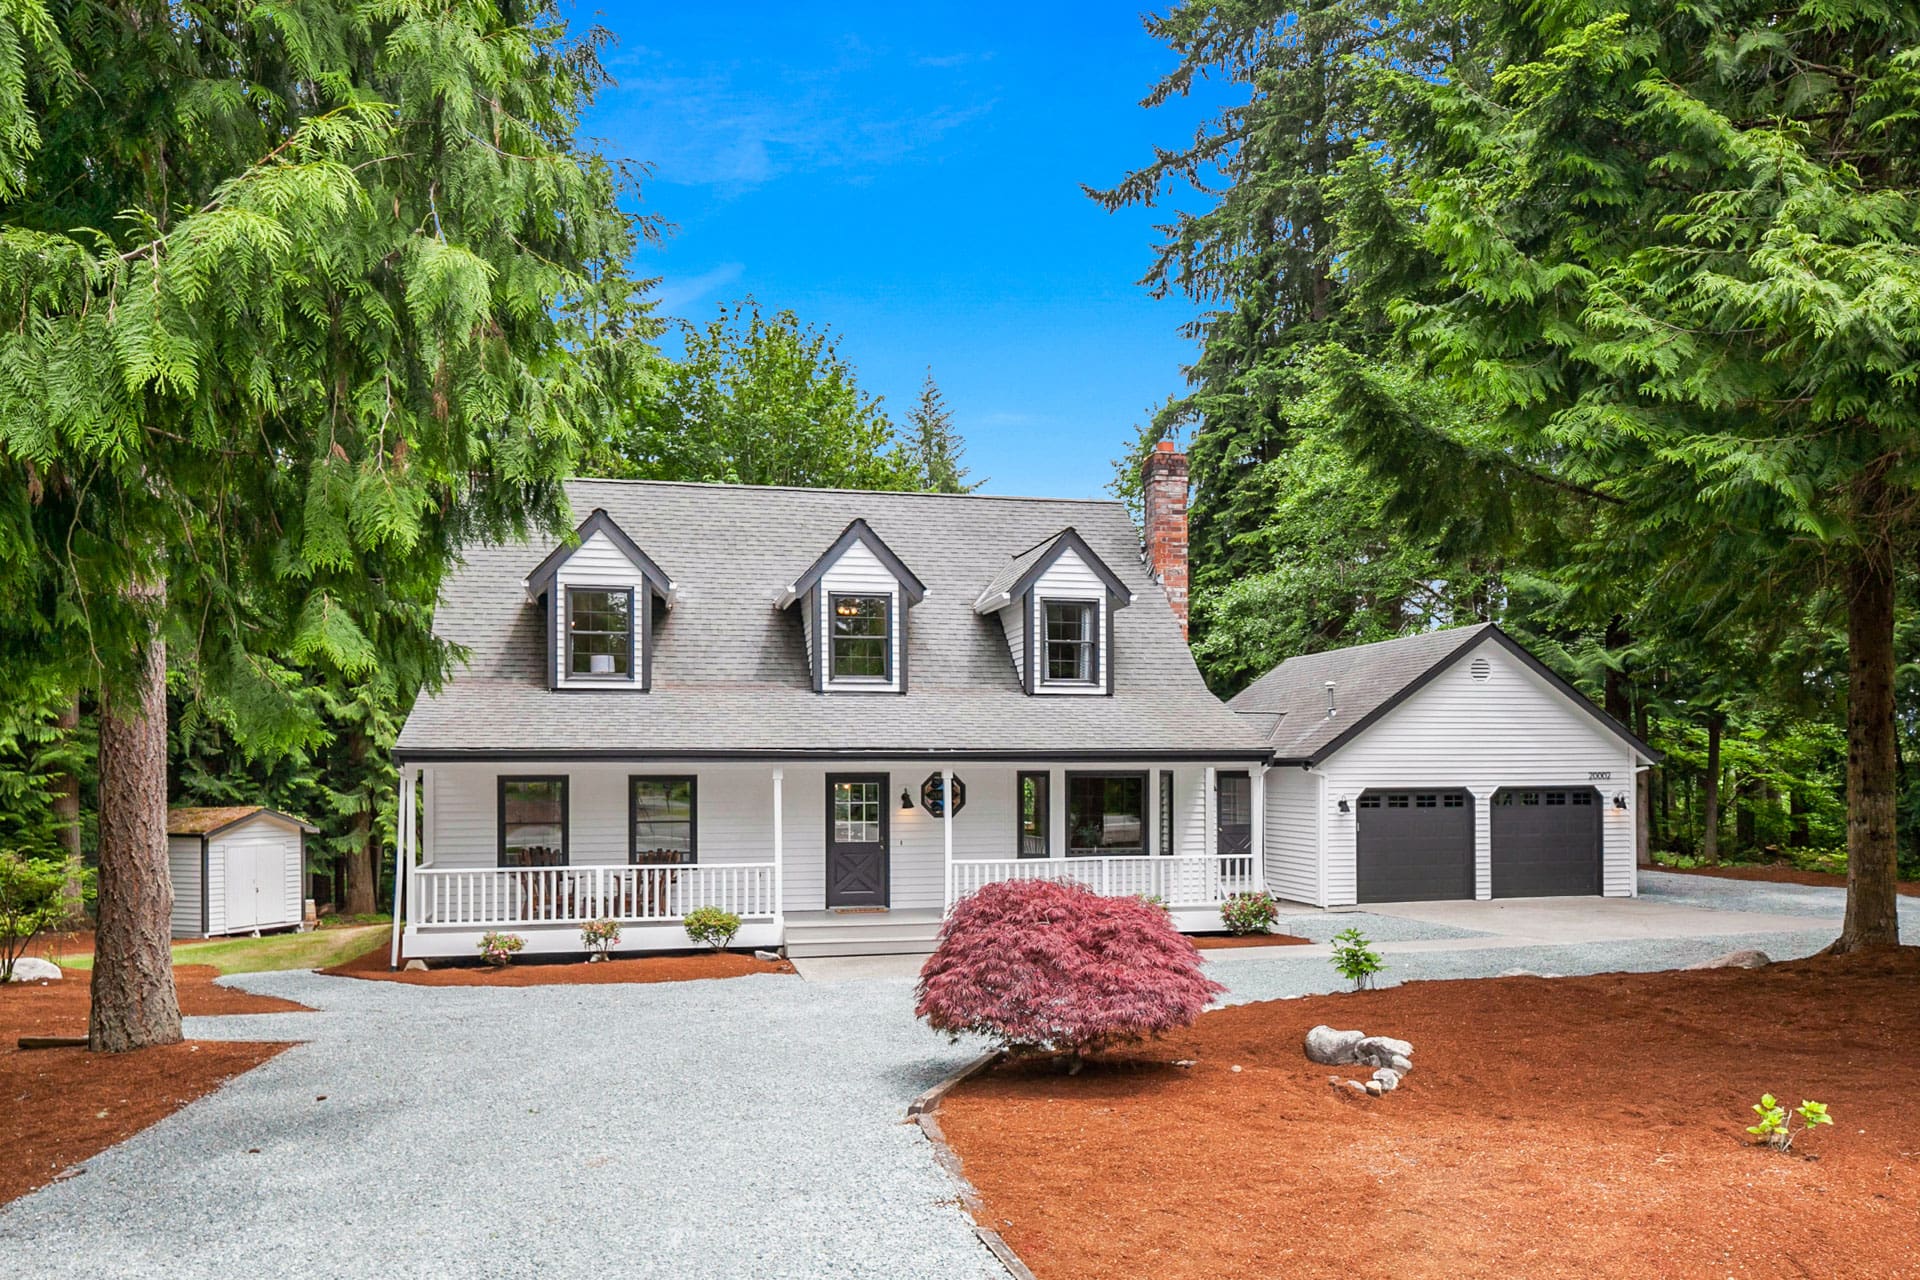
{"x": 499, "y": 949}
{"x": 711, "y": 926}
{"x": 1245, "y": 913}
{"x": 600, "y": 937}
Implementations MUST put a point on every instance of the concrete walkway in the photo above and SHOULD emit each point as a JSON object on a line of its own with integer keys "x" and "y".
{"x": 749, "y": 1127}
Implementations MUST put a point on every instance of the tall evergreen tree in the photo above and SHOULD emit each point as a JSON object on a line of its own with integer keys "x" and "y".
{"x": 294, "y": 301}
{"x": 936, "y": 445}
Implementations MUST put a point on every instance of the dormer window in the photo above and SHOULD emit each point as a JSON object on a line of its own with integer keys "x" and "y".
{"x": 1073, "y": 653}
{"x": 600, "y": 633}
{"x": 862, "y": 639}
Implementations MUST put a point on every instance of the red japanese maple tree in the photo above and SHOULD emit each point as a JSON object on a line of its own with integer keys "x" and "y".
{"x": 1041, "y": 966}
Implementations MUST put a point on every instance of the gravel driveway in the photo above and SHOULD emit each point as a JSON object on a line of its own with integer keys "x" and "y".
{"x": 744, "y": 1128}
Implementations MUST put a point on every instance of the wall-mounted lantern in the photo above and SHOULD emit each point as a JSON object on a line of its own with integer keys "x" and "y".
{"x": 1344, "y": 806}
{"x": 906, "y": 800}
{"x": 1620, "y": 800}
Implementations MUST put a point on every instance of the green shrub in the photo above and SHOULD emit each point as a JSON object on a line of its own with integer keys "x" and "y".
{"x": 1355, "y": 959}
{"x": 1776, "y": 1122}
{"x": 30, "y": 901}
{"x": 712, "y": 927}
{"x": 1155, "y": 900}
{"x": 1245, "y": 913}
{"x": 600, "y": 937}
{"x": 499, "y": 949}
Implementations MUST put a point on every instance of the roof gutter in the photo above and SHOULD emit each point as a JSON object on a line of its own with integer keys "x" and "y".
{"x": 456, "y": 755}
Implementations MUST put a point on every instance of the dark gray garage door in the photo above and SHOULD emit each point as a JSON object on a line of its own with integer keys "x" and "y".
{"x": 1415, "y": 846}
{"x": 1546, "y": 842}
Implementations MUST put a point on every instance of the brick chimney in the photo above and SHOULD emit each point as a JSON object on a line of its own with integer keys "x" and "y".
{"x": 1164, "y": 481}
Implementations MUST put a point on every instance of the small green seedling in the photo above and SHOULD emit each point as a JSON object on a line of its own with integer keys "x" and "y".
{"x": 1355, "y": 959}
{"x": 1776, "y": 1122}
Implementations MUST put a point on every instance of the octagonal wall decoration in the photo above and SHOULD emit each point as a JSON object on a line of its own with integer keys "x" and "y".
{"x": 934, "y": 803}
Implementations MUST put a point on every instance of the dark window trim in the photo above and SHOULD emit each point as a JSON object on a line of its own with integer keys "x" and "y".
{"x": 1166, "y": 812}
{"x": 1094, "y": 677}
{"x": 633, "y": 638}
{"x": 886, "y": 639}
{"x": 1046, "y": 813}
{"x": 500, "y": 813}
{"x": 1146, "y": 807}
{"x": 693, "y": 816}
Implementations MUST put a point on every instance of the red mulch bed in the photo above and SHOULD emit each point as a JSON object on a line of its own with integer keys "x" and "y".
{"x": 60, "y": 1107}
{"x": 1774, "y": 873}
{"x": 662, "y": 968}
{"x": 1579, "y": 1126}
{"x": 1228, "y": 941}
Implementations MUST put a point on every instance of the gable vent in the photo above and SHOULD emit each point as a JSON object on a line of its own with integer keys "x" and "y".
{"x": 1480, "y": 669}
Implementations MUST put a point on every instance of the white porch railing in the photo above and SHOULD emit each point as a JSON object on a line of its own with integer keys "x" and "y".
{"x": 1184, "y": 881}
{"x": 575, "y": 895}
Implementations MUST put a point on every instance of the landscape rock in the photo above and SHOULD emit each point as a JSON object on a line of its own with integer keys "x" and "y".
{"x": 1332, "y": 1048}
{"x": 1518, "y": 973}
{"x": 416, "y": 966}
{"x": 1352, "y": 1086}
{"x": 1375, "y": 1088}
{"x": 1745, "y": 959}
{"x": 34, "y": 969}
{"x": 767, "y": 956}
{"x": 1380, "y": 1051}
{"x": 1387, "y": 1078}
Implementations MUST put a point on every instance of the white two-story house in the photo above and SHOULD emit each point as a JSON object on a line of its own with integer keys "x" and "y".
{"x": 835, "y": 713}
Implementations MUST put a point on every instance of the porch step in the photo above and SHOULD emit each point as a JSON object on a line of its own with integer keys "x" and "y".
{"x": 892, "y": 933}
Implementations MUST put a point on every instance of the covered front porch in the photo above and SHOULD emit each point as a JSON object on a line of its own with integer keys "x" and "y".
{"x": 817, "y": 852}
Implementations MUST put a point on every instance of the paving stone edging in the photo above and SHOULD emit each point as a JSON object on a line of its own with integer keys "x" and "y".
{"x": 925, "y": 1112}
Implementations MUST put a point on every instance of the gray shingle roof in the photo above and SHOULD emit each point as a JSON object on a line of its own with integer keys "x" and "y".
{"x": 1016, "y": 565}
{"x": 1289, "y": 704}
{"x": 730, "y": 673}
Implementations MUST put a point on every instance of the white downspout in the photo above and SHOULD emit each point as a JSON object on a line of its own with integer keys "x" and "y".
{"x": 779, "y": 855}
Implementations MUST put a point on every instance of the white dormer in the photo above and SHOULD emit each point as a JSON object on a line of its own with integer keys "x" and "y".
{"x": 598, "y": 588}
{"x": 1056, "y": 601}
{"x": 854, "y": 608}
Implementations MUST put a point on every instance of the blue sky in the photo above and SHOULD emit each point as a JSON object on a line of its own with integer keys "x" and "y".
{"x": 910, "y": 176}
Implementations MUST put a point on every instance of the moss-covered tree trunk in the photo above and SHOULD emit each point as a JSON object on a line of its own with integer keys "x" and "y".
{"x": 134, "y": 1002}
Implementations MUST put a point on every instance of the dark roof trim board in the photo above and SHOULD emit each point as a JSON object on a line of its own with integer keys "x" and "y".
{"x": 1493, "y": 633}
{"x": 858, "y": 531}
{"x": 998, "y": 595}
{"x": 540, "y": 581}
{"x": 458, "y": 755}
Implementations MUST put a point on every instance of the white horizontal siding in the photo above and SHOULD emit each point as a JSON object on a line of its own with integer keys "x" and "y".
{"x": 859, "y": 572}
{"x": 597, "y": 562}
{"x": 1292, "y": 835}
{"x": 183, "y": 869}
{"x": 1068, "y": 578}
{"x": 1512, "y": 729}
{"x": 276, "y": 849}
{"x": 1013, "y": 620}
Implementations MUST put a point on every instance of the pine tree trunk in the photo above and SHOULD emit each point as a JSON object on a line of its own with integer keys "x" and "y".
{"x": 1872, "y": 911}
{"x": 1710, "y": 794}
{"x": 134, "y": 1002}
{"x": 362, "y": 877}
{"x": 66, "y": 812}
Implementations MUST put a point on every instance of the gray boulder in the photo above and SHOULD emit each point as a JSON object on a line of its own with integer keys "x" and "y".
{"x": 1747, "y": 959}
{"x": 1333, "y": 1048}
{"x": 1380, "y": 1051}
{"x": 1374, "y": 1088}
{"x": 34, "y": 969}
{"x": 1387, "y": 1078}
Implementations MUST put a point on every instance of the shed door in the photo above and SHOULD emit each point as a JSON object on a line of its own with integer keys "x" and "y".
{"x": 1546, "y": 842}
{"x": 243, "y": 860}
{"x": 1415, "y": 846}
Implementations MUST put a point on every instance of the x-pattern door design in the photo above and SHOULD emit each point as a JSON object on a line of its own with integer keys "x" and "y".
{"x": 857, "y": 840}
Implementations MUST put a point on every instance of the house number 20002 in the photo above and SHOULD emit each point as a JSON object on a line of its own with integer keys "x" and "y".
{"x": 1599, "y": 775}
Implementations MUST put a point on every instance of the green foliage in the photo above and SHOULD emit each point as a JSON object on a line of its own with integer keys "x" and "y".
{"x": 37, "y": 755}
{"x": 1247, "y": 913}
{"x": 712, "y": 927}
{"x": 600, "y": 937}
{"x": 759, "y": 399}
{"x": 499, "y": 949}
{"x": 1355, "y": 959}
{"x": 1775, "y": 1128}
{"x": 30, "y": 901}
{"x": 935, "y": 444}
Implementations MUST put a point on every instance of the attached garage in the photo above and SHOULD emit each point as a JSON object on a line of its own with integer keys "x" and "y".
{"x": 1415, "y": 846}
{"x": 235, "y": 869}
{"x": 1546, "y": 842}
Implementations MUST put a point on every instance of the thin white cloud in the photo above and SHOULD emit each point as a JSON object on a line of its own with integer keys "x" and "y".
{"x": 675, "y": 296}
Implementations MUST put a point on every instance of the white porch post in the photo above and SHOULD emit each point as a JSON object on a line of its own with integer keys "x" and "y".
{"x": 1259, "y": 817}
{"x": 402, "y": 856}
{"x": 1209, "y": 837}
{"x": 946, "y": 832}
{"x": 779, "y": 851}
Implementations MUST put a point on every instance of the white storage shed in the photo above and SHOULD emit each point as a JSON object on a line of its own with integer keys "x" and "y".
{"x": 235, "y": 869}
